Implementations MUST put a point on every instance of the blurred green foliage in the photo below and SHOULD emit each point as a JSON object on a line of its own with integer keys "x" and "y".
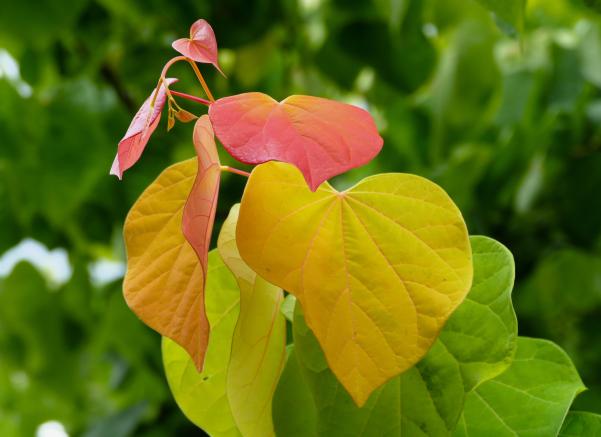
{"x": 500, "y": 106}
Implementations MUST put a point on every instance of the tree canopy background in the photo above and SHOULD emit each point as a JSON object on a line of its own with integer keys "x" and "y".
{"x": 498, "y": 102}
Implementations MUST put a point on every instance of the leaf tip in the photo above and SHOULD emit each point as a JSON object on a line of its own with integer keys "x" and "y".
{"x": 115, "y": 168}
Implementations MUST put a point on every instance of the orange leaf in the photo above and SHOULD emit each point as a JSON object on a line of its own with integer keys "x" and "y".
{"x": 164, "y": 284}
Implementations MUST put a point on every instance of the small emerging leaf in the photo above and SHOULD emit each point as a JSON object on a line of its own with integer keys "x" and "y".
{"x": 201, "y": 396}
{"x": 141, "y": 128}
{"x": 322, "y": 138}
{"x": 377, "y": 268}
{"x": 259, "y": 342}
{"x": 201, "y": 46}
{"x": 185, "y": 116}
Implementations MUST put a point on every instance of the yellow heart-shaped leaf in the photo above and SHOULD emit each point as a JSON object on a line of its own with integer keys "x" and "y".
{"x": 259, "y": 342}
{"x": 377, "y": 268}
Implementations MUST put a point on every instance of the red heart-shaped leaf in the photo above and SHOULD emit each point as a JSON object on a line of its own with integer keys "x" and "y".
{"x": 322, "y": 137}
{"x": 141, "y": 128}
{"x": 201, "y": 46}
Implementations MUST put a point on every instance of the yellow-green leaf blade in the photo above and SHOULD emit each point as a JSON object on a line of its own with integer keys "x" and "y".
{"x": 378, "y": 268}
{"x": 202, "y": 396}
{"x": 259, "y": 341}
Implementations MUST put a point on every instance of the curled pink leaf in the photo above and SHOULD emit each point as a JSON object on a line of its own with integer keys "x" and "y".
{"x": 201, "y": 46}
{"x": 322, "y": 137}
{"x": 141, "y": 128}
{"x": 199, "y": 212}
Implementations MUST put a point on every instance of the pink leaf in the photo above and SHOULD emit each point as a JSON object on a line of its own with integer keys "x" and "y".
{"x": 201, "y": 46}
{"x": 199, "y": 212}
{"x": 141, "y": 128}
{"x": 322, "y": 137}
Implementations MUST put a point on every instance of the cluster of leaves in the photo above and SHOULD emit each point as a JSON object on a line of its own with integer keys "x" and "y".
{"x": 509, "y": 126}
{"x": 378, "y": 269}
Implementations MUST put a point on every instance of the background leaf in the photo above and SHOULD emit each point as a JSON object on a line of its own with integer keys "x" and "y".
{"x": 511, "y": 11}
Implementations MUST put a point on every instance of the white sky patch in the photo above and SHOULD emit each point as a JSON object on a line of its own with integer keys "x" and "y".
{"x": 52, "y": 428}
{"x": 105, "y": 271}
{"x": 54, "y": 264}
{"x": 9, "y": 68}
{"x": 430, "y": 30}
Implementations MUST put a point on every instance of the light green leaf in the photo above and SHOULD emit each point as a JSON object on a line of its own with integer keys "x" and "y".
{"x": 581, "y": 424}
{"x": 202, "y": 396}
{"x": 476, "y": 344}
{"x": 482, "y": 333}
{"x": 259, "y": 340}
{"x": 530, "y": 399}
{"x": 288, "y": 307}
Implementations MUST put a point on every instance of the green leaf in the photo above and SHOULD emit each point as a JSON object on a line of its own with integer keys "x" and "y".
{"x": 202, "y": 396}
{"x": 581, "y": 424}
{"x": 486, "y": 317}
{"x": 510, "y": 11}
{"x": 294, "y": 413}
{"x": 530, "y": 399}
{"x": 476, "y": 344}
{"x": 288, "y": 307}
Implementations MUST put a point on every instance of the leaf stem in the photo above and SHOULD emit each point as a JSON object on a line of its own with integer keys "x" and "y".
{"x": 235, "y": 171}
{"x": 190, "y": 97}
{"x": 200, "y": 79}
{"x": 169, "y": 63}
